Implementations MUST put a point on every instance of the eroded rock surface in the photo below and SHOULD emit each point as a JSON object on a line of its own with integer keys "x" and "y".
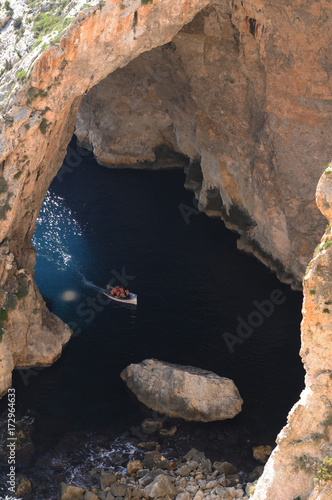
{"x": 35, "y": 128}
{"x": 247, "y": 94}
{"x": 307, "y": 438}
{"x": 183, "y": 391}
{"x": 243, "y": 90}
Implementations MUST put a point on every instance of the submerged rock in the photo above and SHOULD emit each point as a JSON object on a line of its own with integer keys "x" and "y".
{"x": 183, "y": 391}
{"x": 262, "y": 453}
{"x": 23, "y": 486}
{"x": 134, "y": 466}
{"x": 150, "y": 426}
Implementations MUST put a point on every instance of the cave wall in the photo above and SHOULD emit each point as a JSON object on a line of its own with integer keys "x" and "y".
{"x": 241, "y": 90}
{"x": 36, "y": 125}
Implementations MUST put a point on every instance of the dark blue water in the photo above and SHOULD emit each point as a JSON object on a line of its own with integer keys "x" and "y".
{"x": 192, "y": 285}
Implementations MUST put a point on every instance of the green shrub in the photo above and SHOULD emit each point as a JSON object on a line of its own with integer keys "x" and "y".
{"x": 5, "y": 207}
{"x": 43, "y": 126}
{"x": 43, "y": 23}
{"x": 324, "y": 473}
{"x": 3, "y": 315}
{"x": 3, "y": 185}
{"x": 327, "y": 244}
{"x": 18, "y": 174}
{"x": 18, "y": 23}
{"x": 23, "y": 287}
{"x": 312, "y": 292}
{"x": 21, "y": 75}
{"x": 145, "y": 2}
{"x": 9, "y": 120}
{"x": 34, "y": 93}
{"x": 12, "y": 301}
{"x": 8, "y": 8}
{"x": 27, "y": 126}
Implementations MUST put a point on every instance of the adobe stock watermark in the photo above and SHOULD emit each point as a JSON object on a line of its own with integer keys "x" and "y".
{"x": 255, "y": 319}
{"x": 87, "y": 309}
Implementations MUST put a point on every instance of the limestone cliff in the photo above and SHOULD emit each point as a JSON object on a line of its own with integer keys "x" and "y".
{"x": 241, "y": 87}
{"x": 243, "y": 90}
{"x": 307, "y": 438}
{"x": 35, "y": 128}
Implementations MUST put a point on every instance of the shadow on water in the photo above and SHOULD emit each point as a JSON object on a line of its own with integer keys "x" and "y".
{"x": 192, "y": 285}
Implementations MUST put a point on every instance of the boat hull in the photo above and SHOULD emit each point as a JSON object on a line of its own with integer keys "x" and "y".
{"x": 131, "y": 300}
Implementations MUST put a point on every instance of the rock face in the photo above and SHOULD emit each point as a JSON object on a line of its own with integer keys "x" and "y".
{"x": 43, "y": 112}
{"x": 307, "y": 438}
{"x": 247, "y": 94}
{"x": 183, "y": 391}
{"x": 243, "y": 91}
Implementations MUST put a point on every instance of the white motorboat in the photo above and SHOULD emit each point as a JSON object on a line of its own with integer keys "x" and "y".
{"x": 131, "y": 299}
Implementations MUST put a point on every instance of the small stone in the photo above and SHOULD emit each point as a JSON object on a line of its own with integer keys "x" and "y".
{"x": 141, "y": 473}
{"x": 194, "y": 454}
{"x": 193, "y": 465}
{"x": 249, "y": 486}
{"x": 118, "y": 489}
{"x": 150, "y": 426}
{"x": 134, "y": 466}
{"x": 256, "y": 473}
{"x": 199, "y": 495}
{"x": 138, "y": 492}
{"x": 88, "y": 495}
{"x": 183, "y": 496}
{"x": 23, "y": 486}
{"x": 160, "y": 487}
{"x": 183, "y": 471}
{"x": 68, "y": 492}
{"x": 182, "y": 482}
{"x": 192, "y": 489}
{"x": 224, "y": 468}
{"x": 219, "y": 491}
{"x": 149, "y": 445}
{"x": 232, "y": 480}
{"x": 262, "y": 453}
{"x": 154, "y": 459}
{"x": 212, "y": 484}
{"x": 232, "y": 492}
{"x": 150, "y": 476}
{"x": 168, "y": 432}
{"x": 109, "y": 496}
{"x": 107, "y": 479}
{"x": 206, "y": 465}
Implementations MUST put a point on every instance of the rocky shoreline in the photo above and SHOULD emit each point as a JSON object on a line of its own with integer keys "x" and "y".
{"x": 193, "y": 476}
{"x": 136, "y": 470}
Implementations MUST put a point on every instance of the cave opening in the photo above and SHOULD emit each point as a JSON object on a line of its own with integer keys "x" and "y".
{"x": 201, "y": 301}
{"x": 196, "y": 293}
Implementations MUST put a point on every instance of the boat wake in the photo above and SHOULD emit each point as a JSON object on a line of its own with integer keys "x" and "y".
{"x": 89, "y": 284}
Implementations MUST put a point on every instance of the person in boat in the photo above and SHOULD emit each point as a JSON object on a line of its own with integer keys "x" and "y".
{"x": 127, "y": 293}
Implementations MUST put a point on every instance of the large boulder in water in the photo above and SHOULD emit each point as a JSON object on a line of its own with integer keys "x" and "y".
{"x": 183, "y": 391}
